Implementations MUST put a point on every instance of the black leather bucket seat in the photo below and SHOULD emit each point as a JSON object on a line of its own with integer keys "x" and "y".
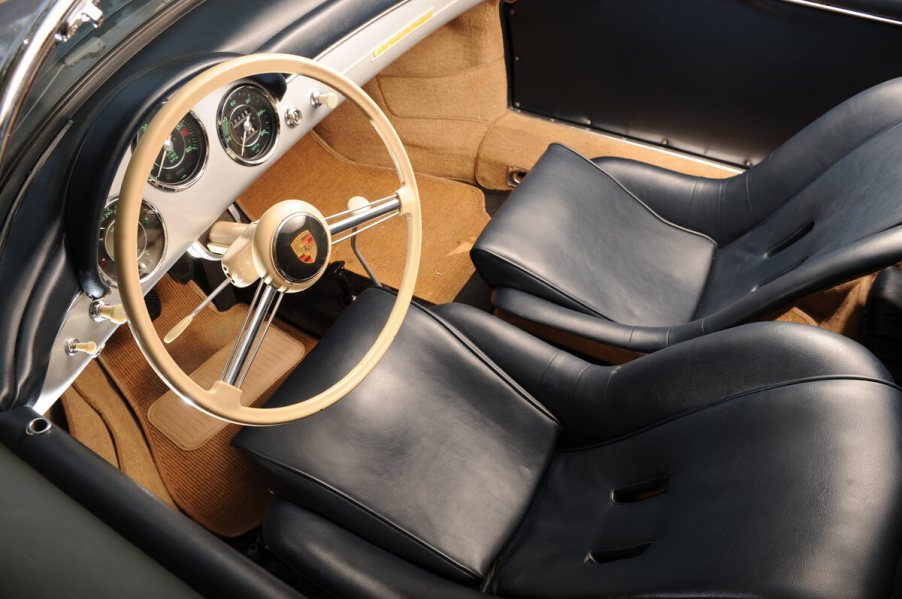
{"x": 765, "y": 461}
{"x": 640, "y": 258}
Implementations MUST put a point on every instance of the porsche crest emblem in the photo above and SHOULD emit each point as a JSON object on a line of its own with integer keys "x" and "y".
{"x": 304, "y": 247}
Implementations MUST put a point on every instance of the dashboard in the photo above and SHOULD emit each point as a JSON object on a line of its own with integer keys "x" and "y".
{"x": 224, "y": 144}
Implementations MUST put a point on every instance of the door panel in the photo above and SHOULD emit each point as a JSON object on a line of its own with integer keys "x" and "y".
{"x": 725, "y": 79}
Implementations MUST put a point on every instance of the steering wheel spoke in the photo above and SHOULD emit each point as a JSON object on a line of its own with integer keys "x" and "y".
{"x": 260, "y": 315}
{"x": 362, "y": 215}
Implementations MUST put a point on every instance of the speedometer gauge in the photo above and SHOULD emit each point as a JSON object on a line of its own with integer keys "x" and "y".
{"x": 151, "y": 242}
{"x": 182, "y": 157}
{"x": 248, "y": 124}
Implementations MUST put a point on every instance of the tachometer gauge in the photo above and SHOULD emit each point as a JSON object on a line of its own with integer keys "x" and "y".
{"x": 248, "y": 124}
{"x": 151, "y": 242}
{"x": 183, "y": 156}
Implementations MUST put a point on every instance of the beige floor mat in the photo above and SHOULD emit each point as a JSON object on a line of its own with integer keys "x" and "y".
{"x": 453, "y": 215}
{"x": 190, "y": 429}
{"x": 212, "y": 484}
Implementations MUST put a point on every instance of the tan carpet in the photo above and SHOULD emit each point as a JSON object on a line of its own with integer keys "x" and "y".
{"x": 441, "y": 97}
{"x": 212, "y": 484}
{"x": 98, "y": 418}
{"x": 453, "y": 215}
{"x": 838, "y": 309}
{"x": 518, "y": 140}
{"x": 448, "y": 99}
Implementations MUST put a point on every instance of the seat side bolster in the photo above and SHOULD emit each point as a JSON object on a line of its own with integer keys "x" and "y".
{"x": 694, "y": 203}
{"x": 820, "y": 272}
{"x": 544, "y": 371}
{"x": 746, "y": 359}
{"x": 499, "y": 271}
{"x": 593, "y": 328}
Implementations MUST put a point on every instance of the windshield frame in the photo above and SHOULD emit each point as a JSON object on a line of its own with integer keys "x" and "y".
{"x": 25, "y": 59}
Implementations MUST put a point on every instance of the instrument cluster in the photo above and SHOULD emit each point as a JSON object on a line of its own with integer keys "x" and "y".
{"x": 247, "y": 125}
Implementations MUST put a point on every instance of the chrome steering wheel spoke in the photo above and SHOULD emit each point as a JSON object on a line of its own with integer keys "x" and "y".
{"x": 260, "y": 314}
{"x": 358, "y": 219}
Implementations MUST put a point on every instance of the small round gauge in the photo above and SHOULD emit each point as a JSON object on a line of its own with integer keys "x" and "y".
{"x": 151, "y": 242}
{"x": 183, "y": 156}
{"x": 248, "y": 124}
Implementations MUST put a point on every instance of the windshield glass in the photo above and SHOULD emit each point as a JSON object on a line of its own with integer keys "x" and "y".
{"x": 15, "y": 16}
{"x": 73, "y": 59}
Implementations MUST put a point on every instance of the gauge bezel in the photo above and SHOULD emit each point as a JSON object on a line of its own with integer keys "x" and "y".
{"x": 111, "y": 280}
{"x": 205, "y": 160}
{"x": 277, "y": 121}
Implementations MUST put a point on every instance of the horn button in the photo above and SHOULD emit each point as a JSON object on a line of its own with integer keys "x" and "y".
{"x": 300, "y": 247}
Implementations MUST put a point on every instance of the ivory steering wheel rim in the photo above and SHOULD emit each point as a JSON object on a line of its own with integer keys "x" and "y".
{"x": 223, "y": 400}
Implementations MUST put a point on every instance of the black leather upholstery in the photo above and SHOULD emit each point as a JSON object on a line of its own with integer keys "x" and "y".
{"x": 437, "y": 467}
{"x": 657, "y": 257}
{"x": 53, "y": 547}
{"x": 204, "y": 562}
{"x": 761, "y": 461}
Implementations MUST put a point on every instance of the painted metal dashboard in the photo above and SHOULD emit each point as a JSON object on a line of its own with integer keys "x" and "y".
{"x": 187, "y": 211}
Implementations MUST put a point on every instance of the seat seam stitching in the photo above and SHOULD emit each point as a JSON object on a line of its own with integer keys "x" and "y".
{"x": 370, "y": 511}
{"x": 822, "y": 173}
{"x": 737, "y": 396}
{"x": 549, "y": 285}
{"x": 490, "y": 364}
{"x": 635, "y": 198}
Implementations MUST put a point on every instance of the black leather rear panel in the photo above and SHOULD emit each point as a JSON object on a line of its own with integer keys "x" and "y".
{"x": 727, "y": 79}
{"x": 53, "y": 547}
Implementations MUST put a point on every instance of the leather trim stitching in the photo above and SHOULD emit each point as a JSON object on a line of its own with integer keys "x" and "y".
{"x": 802, "y": 381}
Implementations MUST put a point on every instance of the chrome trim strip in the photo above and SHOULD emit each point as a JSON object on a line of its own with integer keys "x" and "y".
{"x": 23, "y": 64}
{"x": 845, "y": 11}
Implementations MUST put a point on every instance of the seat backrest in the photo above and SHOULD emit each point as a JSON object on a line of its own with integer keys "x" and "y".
{"x": 837, "y": 182}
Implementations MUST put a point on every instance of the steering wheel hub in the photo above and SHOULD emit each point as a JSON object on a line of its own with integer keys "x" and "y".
{"x": 300, "y": 247}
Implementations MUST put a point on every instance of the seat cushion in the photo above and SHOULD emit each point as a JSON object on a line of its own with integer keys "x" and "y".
{"x": 572, "y": 235}
{"x": 790, "y": 491}
{"x": 763, "y": 461}
{"x": 434, "y": 457}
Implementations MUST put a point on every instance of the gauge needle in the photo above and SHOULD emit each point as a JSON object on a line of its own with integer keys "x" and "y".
{"x": 178, "y": 329}
{"x": 167, "y": 147}
{"x": 247, "y": 129}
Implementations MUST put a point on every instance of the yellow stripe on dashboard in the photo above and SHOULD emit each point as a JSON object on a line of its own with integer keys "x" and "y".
{"x": 407, "y": 30}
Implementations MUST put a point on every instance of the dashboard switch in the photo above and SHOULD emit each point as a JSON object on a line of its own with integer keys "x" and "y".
{"x": 101, "y": 311}
{"x": 74, "y": 346}
{"x": 327, "y": 99}
{"x": 293, "y": 116}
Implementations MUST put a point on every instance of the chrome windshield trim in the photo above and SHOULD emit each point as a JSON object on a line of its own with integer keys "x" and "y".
{"x": 845, "y": 11}
{"x": 23, "y": 63}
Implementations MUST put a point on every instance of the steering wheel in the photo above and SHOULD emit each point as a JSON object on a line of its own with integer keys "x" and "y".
{"x": 286, "y": 250}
